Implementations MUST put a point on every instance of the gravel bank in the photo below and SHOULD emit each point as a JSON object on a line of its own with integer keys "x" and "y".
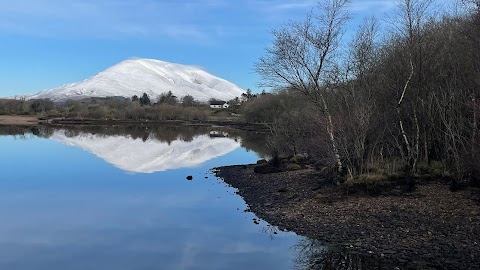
{"x": 430, "y": 228}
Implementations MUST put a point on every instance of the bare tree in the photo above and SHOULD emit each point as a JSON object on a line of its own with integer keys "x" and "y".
{"x": 356, "y": 102}
{"x": 302, "y": 57}
{"x": 412, "y": 17}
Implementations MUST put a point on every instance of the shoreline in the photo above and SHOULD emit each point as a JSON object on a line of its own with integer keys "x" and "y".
{"x": 430, "y": 227}
{"x": 18, "y": 120}
{"x": 238, "y": 124}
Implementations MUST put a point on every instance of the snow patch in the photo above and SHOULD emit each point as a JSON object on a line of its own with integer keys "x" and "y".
{"x": 154, "y": 77}
{"x": 135, "y": 155}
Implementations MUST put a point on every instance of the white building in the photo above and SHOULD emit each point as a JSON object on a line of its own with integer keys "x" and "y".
{"x": 219, "y": 104}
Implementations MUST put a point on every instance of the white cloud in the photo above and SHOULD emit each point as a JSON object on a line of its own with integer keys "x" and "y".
{"x": 372, "y": 6}
{"x": 280, "y": 6}
{"x": 282, "y": 10}
{"x": 107, "y": 18}
{"x": 196, "y": 21}
{"x": 289, "y": 5}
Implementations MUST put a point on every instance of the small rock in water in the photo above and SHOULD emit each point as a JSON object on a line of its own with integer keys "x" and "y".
{"x": 189, "y": 177}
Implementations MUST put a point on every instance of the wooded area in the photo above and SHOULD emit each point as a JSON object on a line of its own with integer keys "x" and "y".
{"x": 400, "y": 98}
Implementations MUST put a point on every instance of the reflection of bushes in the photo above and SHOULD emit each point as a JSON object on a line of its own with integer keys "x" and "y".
{"x": 166, "y": 133}
{"x": 160, "y": 133}
{"x": 294, "y": 124}
{"x": 312, "y": 254}
{"x": 14, "y": 130}
{"x": 41, "y": 131}
{"x": 254, "y": 141}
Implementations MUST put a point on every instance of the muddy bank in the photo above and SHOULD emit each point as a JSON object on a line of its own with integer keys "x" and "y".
{"x": 430, "y": 228}
{"x": 15, "y": 120}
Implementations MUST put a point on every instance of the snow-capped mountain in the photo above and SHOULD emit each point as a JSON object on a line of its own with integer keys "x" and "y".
{"x": 150, "y": 156}
{"x": 154, "y": 77}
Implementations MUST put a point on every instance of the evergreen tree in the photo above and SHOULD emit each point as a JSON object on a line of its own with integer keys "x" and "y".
{"x": 188, "y": 101}
{"x": 145, "y": 100}
{"x": 167, "y": 98}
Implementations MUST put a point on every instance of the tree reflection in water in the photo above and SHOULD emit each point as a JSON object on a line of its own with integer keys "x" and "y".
{"x": 312, "y": 254}
{"x": 250, "y": 140}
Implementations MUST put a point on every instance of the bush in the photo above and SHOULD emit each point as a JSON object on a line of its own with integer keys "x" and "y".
{"x": 371, "y": 183}
{"x": 367, "y": 179}
{"x": 293, "y": 167}
{"x": 265, "y": 168}
{"x": 298, "y": 159}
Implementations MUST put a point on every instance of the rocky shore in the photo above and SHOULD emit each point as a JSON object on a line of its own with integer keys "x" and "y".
{"x": 429, "y": 228}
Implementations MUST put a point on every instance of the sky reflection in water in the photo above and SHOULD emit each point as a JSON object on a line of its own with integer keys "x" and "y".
{"x": 83, "y": 203}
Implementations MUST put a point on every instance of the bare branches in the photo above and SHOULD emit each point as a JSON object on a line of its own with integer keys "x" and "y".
{"x": 302, "y": 56}
{"x": 302, "y": 52}
{"x": 363, "y": 48}
{"x": 413, "y": 100}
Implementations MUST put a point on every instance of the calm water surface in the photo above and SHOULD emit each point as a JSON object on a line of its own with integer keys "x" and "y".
{"x": 106, "y": 198}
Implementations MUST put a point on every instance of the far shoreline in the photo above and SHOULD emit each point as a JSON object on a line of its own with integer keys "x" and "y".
{"x": 20, "y": 120}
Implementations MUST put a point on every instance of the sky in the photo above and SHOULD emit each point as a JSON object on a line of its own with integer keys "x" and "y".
{"x": 47, "y": 43}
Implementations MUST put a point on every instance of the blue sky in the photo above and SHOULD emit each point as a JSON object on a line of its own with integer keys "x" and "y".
{"x": 46, "y": 43}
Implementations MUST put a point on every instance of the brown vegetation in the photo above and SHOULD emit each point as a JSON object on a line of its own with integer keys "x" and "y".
{"x": 409, "y": 102}
{"x": 18, "y": 120}
{"x": 167, "y": 108}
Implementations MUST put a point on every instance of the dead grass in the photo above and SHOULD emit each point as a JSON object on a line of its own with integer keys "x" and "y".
{"x": 15, "y": 120}
{"x": 367, "y": 179}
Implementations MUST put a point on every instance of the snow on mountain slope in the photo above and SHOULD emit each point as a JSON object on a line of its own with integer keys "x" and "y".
{"x": 150, "y": 156}
{"x": 138, "y": 76}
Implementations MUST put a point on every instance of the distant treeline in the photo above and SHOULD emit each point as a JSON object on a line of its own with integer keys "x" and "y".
{"x": 167, "y": 107}
{"x": 24, "y": 107}
{"x": 405, "y": 100}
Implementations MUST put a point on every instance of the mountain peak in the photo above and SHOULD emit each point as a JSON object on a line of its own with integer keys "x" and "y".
{"x": 154, "y": 77}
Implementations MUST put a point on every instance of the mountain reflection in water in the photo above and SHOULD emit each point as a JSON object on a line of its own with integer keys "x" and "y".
{"x": 135, "y": 155}
{"x": 141, "y": 149}
{"x": 175, "y": 219}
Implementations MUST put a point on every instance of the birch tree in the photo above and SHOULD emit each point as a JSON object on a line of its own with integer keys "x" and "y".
{"x": 302, "y": 57}
{"x": 412, "y": 14}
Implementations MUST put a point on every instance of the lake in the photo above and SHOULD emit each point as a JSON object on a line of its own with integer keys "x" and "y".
{"x": 119, "y": 198}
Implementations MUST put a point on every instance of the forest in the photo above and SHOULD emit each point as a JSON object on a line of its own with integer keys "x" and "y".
{"x": 400, "y": 98}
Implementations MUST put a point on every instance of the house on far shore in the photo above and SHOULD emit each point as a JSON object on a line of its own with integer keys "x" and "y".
{"x": 217, "y": 104}
{"x": 218, "y": 134}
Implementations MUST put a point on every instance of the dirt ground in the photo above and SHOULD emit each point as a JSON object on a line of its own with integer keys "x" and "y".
{"x": 18, "y": 120}
{"x": 430, "y": 228}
